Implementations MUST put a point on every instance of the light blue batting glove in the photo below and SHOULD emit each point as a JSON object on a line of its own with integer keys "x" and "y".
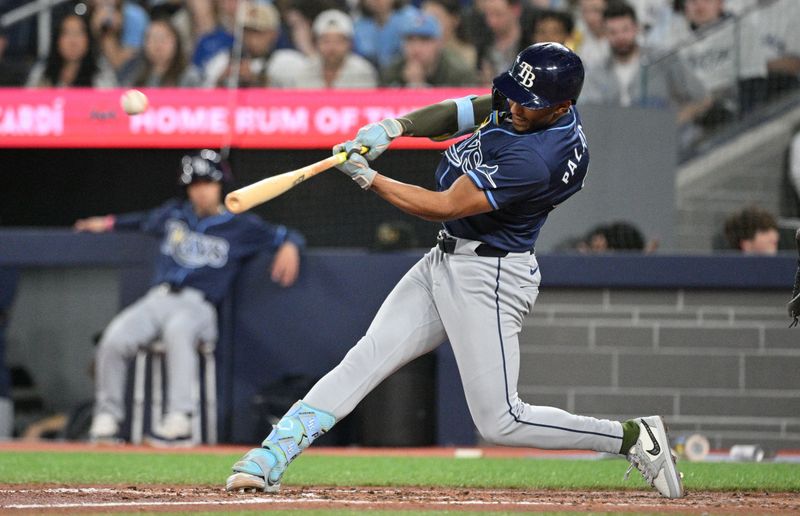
{"x": 356, "y": 166}
{"x": 376, "y": 137}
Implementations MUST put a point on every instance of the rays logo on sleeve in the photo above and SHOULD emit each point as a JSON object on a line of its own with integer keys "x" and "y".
{"x": 194, "y": 250}
{"x": 468, "y": 157}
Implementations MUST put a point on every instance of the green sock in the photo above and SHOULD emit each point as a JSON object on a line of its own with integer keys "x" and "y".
{"x": 630, "y": 432}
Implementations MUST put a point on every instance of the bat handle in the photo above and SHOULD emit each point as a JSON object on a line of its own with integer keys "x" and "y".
{"x": 345, "y": 155}
{"x": 363, "y": 150}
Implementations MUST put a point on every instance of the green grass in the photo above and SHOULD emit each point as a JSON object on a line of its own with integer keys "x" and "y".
{"x": 211, "y": 470}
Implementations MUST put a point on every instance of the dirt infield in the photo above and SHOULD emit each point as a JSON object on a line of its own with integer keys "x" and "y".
{"x": 29, "y": 499}
{"x": 68, "y": 499}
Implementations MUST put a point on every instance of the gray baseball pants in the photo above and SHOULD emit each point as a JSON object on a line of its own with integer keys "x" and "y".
{"x": 478, "y": 304}
{"x": 181, "y": 320}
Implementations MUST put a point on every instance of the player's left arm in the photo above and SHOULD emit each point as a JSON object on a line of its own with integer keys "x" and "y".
{"x": 446, "y": 119}
{"x": 462, "y": 199}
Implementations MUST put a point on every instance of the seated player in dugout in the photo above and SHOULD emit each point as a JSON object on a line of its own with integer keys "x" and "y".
{"x": 202, "y": 249}
{"x": 526, "y": 155}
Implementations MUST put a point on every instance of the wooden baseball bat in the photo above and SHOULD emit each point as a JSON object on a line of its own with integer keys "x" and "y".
{"x": 257, "y": 193}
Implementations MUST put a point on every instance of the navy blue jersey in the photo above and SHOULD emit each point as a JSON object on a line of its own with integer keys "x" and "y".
{"x": 204, "y": 253}
{"x": 524, "y": 176}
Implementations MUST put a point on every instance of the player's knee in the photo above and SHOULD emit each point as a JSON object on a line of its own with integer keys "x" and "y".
{"x": 362, "y": 356}
{"x": 489, "y": 435}
{"x": 177, "y": 336}
{"x": 493, "y": 435}
{"x": 496, "y": 431}
{"x": 117, "y": 339}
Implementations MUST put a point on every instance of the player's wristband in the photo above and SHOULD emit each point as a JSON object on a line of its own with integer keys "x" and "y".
{"x": 109, "y": 221}
{"x": 465, "y": 114}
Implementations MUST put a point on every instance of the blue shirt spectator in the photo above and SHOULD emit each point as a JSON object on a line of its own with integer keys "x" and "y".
{"x": 134, "y": 25}
{"x": 212, "y": 44}
{"x": 380, "y": 41}
{"x": 119, "y": 27}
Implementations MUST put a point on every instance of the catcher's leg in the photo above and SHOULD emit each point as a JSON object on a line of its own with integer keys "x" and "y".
{"x": 406, "y": 326}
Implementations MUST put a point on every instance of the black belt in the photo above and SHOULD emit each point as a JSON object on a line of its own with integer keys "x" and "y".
{"x": 173, "y": 288}
{"x": 447, "y": 245}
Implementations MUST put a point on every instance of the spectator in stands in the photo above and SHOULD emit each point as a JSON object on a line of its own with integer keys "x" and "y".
{"x": 473, "y": 21}
{"x": 752, "y": 231}
{"x": 22, "y": 38}
{"x": 119, "y": 27}
{"x": 724, "y": 54}
{"x": 497, "y": 54}
{"x": 618, "y": 236}
{"x": 334, "y": 64}
{"x": 448, "y": 14}
{"x": 628, "y": 78}
{"x": 606, "y": 238}
{"x": 193, "y": 20}
{"x": 548, "y": 4}
{"x": 203, "y": 248}
{"x": 162, "y": 62}
{"x": 298, "y": 17}
{"x": 662, "y": 23}
{"x": 590, "y": 41}
{"x": 72, "y": 59}
{"x": 213, "y": 49}
{"x": 425, "y": 61}
{"x": 13, "y": 69}
{"x": 163, "y": 8}
{"x": 554, "y": 26}
{"x": 5, "y": 73}
{"x": 260, "y": 60}
{"x": 780, "y": 40}
{"x": 377, "y": 31}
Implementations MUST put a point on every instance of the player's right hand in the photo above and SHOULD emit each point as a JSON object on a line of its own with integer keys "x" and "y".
{"x": 377, "y": 137}
{"x": 95, "y": 224}
{"x": 357, "y": 167}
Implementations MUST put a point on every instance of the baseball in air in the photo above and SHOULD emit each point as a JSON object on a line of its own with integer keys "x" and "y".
{"x": 133, "y": 102}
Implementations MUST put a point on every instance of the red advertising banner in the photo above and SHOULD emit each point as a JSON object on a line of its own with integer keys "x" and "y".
{"x": 182, "y": 118}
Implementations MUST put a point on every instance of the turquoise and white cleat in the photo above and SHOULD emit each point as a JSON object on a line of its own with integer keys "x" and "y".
{"x": 252, "y": 471}
{"x": 261, "y": 469}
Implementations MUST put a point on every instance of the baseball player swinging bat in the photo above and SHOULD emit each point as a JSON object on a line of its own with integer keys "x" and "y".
{"x": 262, "y": 191}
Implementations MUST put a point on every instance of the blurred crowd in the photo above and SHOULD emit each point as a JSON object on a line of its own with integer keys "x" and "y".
{"x": 709, "y": 60}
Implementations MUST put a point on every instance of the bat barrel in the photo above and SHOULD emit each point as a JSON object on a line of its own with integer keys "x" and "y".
{"x": 245, "y": 198}
{"x": 234, "y": 203}
{"x": 252, "y": 195}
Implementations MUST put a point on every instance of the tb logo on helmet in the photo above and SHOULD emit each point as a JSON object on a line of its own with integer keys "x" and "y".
{"x": 525, "y": 74}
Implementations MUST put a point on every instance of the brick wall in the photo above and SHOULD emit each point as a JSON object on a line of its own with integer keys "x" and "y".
{"x": 722, "y": 363}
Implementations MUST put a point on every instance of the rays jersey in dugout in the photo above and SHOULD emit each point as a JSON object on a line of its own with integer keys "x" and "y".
{"x": 524, "y": 176}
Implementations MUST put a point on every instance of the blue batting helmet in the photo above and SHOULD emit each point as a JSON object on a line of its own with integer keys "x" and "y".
{"x": 543, "y": 75}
